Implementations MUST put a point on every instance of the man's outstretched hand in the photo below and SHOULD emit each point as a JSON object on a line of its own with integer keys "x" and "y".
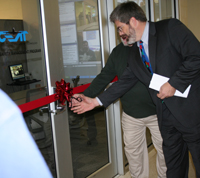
{"x": 86, "y": 104}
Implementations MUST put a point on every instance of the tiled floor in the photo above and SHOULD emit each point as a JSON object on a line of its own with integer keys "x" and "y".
{"x": 152, "y": 167}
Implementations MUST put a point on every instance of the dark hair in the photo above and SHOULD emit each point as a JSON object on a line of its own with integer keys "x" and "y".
{"x": 85, "y": 42}
{"x": 124, "y": 11}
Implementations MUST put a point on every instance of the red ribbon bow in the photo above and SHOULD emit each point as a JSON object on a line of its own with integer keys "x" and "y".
{"x": 63, "y": 91}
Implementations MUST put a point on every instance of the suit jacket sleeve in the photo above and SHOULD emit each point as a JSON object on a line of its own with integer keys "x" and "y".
{"x": 119, "y": 88}
{"x": 103, "y": 79}
{"x": 187, "y": 45}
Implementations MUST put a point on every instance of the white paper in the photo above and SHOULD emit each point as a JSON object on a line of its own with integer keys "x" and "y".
{"x": 68, "y": 34}
{"x": 67, "y": 12}
{"x": 158, "y": 80}
{"x": 70, "y": 54}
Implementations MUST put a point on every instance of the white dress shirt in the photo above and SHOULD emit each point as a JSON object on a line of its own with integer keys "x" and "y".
{"x": 145, "y": 39}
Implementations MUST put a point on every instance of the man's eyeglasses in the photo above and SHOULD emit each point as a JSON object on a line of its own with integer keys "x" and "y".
{"x": 120, "y": 28}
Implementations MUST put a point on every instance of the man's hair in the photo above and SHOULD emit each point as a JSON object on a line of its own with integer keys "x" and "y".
{"x": 124, "y": 11}
{"x": 85, "y": 42}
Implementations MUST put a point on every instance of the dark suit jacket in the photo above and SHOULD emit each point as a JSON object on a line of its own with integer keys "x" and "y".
{"x": 174, "y": 52}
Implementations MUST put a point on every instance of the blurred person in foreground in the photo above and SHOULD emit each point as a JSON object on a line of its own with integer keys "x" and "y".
{"x": 19, "y": 154}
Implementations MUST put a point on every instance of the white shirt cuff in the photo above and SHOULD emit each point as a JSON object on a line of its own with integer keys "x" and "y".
{"x": 100, "y": 103}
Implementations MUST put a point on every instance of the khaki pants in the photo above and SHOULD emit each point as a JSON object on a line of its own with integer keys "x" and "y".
{"x": 136, "y": 146}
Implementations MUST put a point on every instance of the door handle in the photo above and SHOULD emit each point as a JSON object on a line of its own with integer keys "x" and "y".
{"x": 58, "y": 110}
{"x": 43, "y": 108}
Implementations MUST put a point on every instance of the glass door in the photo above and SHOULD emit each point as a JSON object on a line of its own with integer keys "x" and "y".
{"x": 83, "y": 57}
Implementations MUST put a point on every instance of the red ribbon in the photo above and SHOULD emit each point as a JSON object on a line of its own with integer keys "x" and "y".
{"x": 63, "y": 93}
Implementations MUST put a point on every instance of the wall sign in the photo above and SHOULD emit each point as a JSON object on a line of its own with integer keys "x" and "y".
{"x": 13, "y": 37}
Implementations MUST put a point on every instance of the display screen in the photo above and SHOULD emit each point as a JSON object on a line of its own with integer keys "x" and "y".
{"x": 16, "y": 71}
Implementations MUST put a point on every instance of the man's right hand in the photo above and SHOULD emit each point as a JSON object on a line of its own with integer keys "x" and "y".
{"x": 86, "y": 104}
{"x": 166, "y": 91}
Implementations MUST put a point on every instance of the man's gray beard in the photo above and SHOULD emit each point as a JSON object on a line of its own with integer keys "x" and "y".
{"x": 123, "y": 42}
{"x": 131, "y": 38}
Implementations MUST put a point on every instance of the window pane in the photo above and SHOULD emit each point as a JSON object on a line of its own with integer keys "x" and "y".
{"x": 162, "y": 9}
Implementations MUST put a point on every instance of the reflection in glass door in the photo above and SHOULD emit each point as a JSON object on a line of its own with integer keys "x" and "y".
{"x": 80, "y": 40}
{"x": 80, "y": 36}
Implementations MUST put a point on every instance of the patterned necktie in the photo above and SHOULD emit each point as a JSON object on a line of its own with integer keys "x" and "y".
{"x": 145, "y": 58}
